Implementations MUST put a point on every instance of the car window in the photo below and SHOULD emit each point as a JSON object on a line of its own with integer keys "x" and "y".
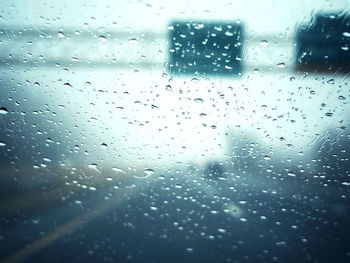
{"x": 174, "y": 131}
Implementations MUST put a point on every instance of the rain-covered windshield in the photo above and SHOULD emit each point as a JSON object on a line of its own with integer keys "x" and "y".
{"x": 174, "y": 131}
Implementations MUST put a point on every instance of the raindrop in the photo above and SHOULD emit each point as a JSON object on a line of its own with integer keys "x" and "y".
{"x": 256, "y": 71}
{"x": 153, "y": 208}
{"x": 168, "y": 88}
{"x": 67, "y": 85}
{"x": 221, "y": 230}
{"x": 92, "y": 166}
{"x": 281, "y": 65}
{"x": 102, "y": 38}
{"x": 331, "y": 81}
{"x": 154, "y": 106}
{"x": 104, "y": 146}
{"x": 118, "y": 170}
{"x": 36, "y": 84}
{"x": 199, "y": 100}
{"x": 133, "y": 41}
{"x": 2, "y": 144}
{"x": 149, "y": 171}
{"x": 292, "y": 79}
{"x": 3, "y": 111}
{"x": 341, "y": 97}
{"x": 264, "y": 43}
{"x": 346, "y": 34}
{"x": 329, "y": 114}
{"x": 60, "y": 34}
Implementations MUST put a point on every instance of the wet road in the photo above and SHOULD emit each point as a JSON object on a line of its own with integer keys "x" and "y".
{"x": 185, "y": 217}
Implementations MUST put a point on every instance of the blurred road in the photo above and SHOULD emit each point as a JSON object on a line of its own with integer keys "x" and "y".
{"x": 183, "y": 216}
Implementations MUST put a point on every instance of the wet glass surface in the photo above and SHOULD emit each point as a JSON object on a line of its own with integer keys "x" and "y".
{"x": 185, "y": 131}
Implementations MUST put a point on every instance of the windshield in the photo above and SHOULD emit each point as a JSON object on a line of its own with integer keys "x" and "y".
{"x": 168, "y": 131}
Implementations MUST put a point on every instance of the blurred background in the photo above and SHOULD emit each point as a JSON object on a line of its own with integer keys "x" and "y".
{"x": 217, "y": 130}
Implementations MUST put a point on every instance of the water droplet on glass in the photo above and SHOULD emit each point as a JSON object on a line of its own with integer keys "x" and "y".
{"x": 104, "y": 146}
{"x": 2, "y": 144}
{"x": 264, "y": 43}
{"x": 281, "y": 65}
{"x": 154, "y": 106}
{"x": 60, "y": 34}
{"x": 67, "y": 85}
{"x": 153, "y": 208}
{"x": 331, "y": 81}
{"x": 102, "y": 38}
{"x": 118, "y": 170}
{"x": 346, "y": 34}
{"x": 168, "y": 88}
{"x": 341, "y": 97}
{"x": 221, "y": 230}
{"x": 133, "y": 41}
{"x": 292, "y": 79}
{"x": 329, "y": 114}
{"x": 199, "y": 100}
{"x": 92, "y": 166}
{"x": 3, "y": 111}
{"x": 147, "y": 172}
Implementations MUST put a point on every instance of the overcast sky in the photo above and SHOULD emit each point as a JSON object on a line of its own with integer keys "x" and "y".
{"x": 258, "y": 15}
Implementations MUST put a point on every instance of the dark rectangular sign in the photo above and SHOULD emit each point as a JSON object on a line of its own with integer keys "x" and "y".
{"x": 324, "y": 45}
{"x": 205, "y": 48}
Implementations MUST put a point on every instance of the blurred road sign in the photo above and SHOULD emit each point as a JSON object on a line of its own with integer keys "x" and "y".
{"x": 324, "y": 44}
{"x": 206, "y": 48}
